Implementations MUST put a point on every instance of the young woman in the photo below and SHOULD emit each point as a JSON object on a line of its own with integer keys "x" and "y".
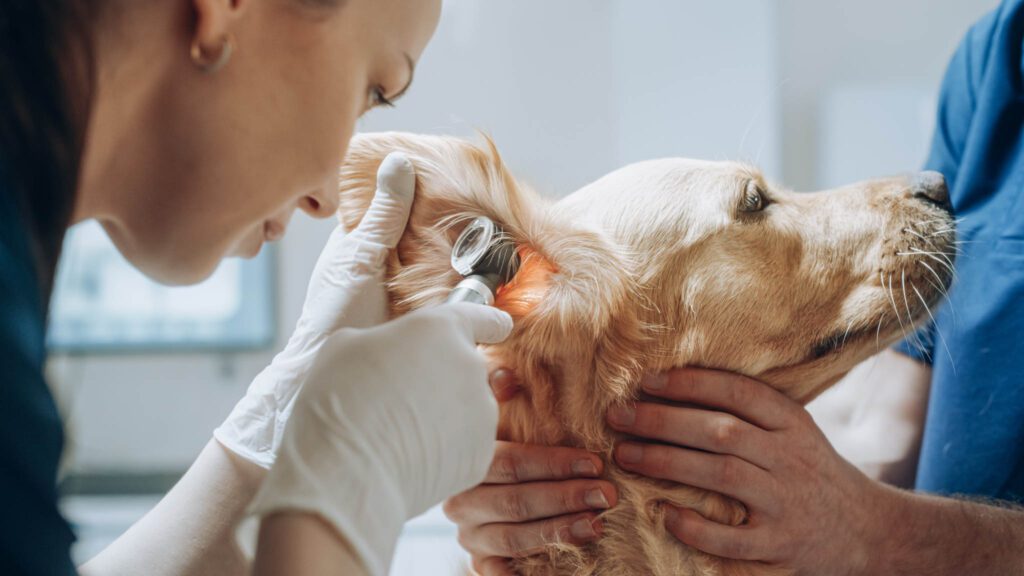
{"x": 192, "y": 129}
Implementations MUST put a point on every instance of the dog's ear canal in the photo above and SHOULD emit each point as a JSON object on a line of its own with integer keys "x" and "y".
{"x": 455, "y": 182}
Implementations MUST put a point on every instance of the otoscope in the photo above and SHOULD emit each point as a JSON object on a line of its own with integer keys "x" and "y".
{"x": 486, "y": 259}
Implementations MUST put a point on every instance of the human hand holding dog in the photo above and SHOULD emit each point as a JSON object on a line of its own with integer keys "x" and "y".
{"x": 808, "y": 509}
{"x": 532, "y": 495}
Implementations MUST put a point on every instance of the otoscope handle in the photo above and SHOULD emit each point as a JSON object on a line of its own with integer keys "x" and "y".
{"x": 476, "y": 289}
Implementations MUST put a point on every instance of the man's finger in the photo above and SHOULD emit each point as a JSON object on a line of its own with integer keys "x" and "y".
{"x": 518, "y": 540}
{"x": 503, "y": 385}
{"x": 754, "y": 401}
{"x": 695, "y": 428}
{"x": 529, "y": 501}
{"x": 726, "y": 475}
{"x": 736, "y": 542}
{"x": 382, "y": 226}
{"x": 515, "y": 463}
{"x": 492, "y": 566}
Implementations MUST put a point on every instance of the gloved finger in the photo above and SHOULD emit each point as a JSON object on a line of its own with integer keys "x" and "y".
{"x": 483, "y": 324}
{"x": 385, "y": 219}
{"x": 518, "y": 540}
{"x": 326, "y": 260}
{"x": 492, "y": 566}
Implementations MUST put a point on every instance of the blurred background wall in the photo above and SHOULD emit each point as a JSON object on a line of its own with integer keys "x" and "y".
{"x": 816, "y": 93}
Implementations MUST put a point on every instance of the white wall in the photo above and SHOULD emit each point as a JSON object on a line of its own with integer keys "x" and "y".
{"x": 696, "y": 79}
{"x": 569, "y": 90}
{"x": 828, "y": 46}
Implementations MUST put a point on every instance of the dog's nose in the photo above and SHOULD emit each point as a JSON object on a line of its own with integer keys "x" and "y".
{"x": 931, "y": 187}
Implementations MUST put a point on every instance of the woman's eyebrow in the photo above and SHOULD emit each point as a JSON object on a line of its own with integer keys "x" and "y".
{"x": 412, "y": 69}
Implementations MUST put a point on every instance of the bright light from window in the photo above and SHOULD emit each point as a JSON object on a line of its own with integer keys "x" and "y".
{"x": 102, "y": 303}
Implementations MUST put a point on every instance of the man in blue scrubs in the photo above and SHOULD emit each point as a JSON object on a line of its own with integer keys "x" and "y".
{"x": 810, "y": 510}
{"x": 974, "y": 431}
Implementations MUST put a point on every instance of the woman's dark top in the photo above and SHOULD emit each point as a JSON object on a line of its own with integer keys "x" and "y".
{"x": 34, "y": 537}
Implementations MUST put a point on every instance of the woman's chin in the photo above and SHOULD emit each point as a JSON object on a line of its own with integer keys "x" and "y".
{"x": 180, "y": 269}
{"x": 248, "y": 248}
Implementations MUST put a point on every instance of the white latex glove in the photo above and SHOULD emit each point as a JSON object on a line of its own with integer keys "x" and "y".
{"x": 391, "y": 421}
{"x": 345, "y": 290}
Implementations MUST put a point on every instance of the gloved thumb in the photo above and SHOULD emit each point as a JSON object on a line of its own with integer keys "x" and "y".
{"x": 388, "y": 213}
{"x": 484, "y": 324}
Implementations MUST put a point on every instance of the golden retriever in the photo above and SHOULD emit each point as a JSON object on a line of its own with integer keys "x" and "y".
{"x": 660, "y": 264}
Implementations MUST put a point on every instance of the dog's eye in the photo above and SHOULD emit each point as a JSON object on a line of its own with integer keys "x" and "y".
{"x": 753, "y": 198}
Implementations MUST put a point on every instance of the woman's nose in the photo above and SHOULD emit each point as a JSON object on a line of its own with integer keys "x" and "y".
{"x": 321, "y": 204}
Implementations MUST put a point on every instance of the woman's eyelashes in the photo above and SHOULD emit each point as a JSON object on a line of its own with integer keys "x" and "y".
{"x": 378, "y": 99}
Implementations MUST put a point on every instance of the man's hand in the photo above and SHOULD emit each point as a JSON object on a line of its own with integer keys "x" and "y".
{"x": 532, "y": 496}
{"x": 809, "y": 509}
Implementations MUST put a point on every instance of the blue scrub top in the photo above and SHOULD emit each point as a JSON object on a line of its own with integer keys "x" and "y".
{"x": 34, "y": 537}
{"x": 974, "y": 432}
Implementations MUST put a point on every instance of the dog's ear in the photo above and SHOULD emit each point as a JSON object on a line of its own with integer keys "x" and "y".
{"x": 455, "y": 182}
{"x": 573, "y": 294}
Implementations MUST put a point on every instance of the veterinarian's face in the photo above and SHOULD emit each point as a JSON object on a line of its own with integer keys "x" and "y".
{"x": 249, "y": 144}
{"x": 795, "y": 288}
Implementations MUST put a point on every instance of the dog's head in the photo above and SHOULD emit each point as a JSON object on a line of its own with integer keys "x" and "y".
{"x": 705, "y": 263}
{"x": 660, "y": 264}
{"x": 793, "y": 288}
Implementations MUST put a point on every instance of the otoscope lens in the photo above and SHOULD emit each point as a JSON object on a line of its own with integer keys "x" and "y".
{"x": 472, "y": 245}
{"x": 467, "y": 242}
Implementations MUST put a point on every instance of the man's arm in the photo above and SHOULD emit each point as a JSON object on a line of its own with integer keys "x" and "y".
{"x": 874, "y": 417}
{"x": 809, "y": 510}
{"x": 192, "y": 529}
{"x": 946, "y": 536}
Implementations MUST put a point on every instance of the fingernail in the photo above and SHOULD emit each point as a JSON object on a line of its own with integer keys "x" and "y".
{"x": 654, "y": 381}
{"x": 671, "y": 514}
{"x": 582, "y": 529}
{"x": 584, "y": 468}
{"x": 630, "y": 453}
{"x": 622, "y": 415}
{"x": 595, "y": 499}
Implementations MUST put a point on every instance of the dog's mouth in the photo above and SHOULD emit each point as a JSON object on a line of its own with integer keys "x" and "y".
{"x": 912, "y": 280}
{"x": 916, "y": 272}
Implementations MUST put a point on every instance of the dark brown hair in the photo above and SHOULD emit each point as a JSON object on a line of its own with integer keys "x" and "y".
{"x": 45, "y": 78}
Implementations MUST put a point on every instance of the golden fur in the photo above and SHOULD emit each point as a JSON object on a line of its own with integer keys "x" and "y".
{"x": 655, "y": 267}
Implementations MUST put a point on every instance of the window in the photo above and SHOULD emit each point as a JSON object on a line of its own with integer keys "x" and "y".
{"x": 101, "y": 303}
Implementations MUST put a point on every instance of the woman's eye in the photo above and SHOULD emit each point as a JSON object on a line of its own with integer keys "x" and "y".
{"x": 754, "y": 199}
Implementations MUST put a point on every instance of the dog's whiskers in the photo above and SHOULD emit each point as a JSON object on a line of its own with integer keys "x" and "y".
{"x": 935, "y": 328}
{"x": 906, "y": 304}
{"x": 895, "y": 309}
{"x": 945, "y": 263}
{"x": 878, "y": 331}
{"x": 846, "y": 334}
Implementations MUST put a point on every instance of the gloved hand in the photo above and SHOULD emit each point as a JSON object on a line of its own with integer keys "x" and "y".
{"x": 345, "y": 290}
{"x": 391, "y": 421}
